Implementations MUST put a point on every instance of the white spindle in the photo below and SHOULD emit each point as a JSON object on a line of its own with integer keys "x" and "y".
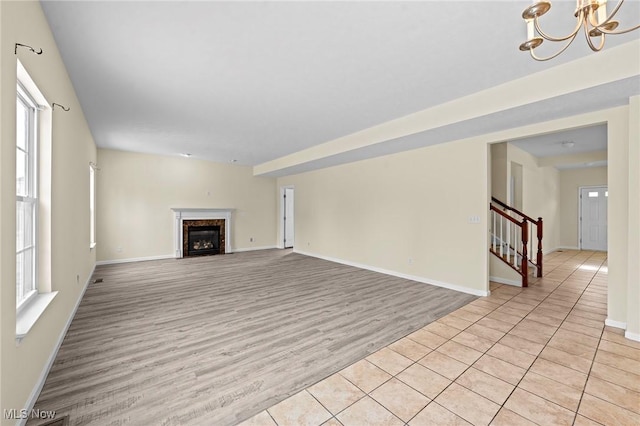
{"x": 516, "y": 246}
{"x": 501, "y": 240}
{"x": 493, "y": 239}
{"x": 507, "y": 244}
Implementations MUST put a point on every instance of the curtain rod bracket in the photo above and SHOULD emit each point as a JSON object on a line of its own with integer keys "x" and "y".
{"x": 15, "y": 51}
{"x": 53, "y": 105}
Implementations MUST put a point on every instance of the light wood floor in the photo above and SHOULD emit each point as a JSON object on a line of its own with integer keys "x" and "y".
{"x": 215, "y": 340}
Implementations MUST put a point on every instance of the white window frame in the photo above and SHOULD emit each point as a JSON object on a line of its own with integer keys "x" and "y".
{"x": 92, "y": 205}
{"x": 31, "y": 197}
{"x": 31, "y": 309}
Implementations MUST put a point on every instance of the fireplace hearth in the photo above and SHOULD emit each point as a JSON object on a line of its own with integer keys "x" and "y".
{"x": 203, "y": 237}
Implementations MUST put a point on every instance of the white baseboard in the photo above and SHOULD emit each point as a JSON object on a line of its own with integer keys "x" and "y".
{"x": 135, "y": 259}
{"x": 33, "y": 397}
{"x": 240, "y": 250}
{"x": 632, "y": 336}
{"x": 506, "y": 281}
{"x": 565, "y": 248}
{"x": 170, "y": 256}
{"x": 397, "y": 274}
{"x": 545, "y": 252}
{"x": 615, "y": 324}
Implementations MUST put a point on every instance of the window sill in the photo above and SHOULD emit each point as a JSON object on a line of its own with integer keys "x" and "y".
{"x": 28, "y": 316}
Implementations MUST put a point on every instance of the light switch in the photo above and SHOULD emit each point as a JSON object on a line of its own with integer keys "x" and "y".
{"x": 474, "y": 219}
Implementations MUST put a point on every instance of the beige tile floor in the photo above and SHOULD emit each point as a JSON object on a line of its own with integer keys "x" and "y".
{"x": 539, "y": 355}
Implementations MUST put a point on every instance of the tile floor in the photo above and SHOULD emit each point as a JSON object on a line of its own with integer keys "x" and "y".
{"x": 539, "y": 355}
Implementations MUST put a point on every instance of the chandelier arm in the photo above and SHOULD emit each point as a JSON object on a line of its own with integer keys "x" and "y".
{"x": 613, "y": 13}
{"x": 537, "y": 58}
{"x": 628, "y": 30}
{"x": 589, "y": 42}
{"x": 550, "y": 38}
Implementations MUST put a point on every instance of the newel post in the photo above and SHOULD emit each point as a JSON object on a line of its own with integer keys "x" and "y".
{"x": 539, "y": 254}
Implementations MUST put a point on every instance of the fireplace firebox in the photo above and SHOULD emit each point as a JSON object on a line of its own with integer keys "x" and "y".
{"x": 203, "y": 237}
{"x": 203, "y": 240}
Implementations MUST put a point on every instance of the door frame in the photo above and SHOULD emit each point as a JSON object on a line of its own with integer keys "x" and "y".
{"x": 580, "y": 188}
{"x": 281, "y": 208}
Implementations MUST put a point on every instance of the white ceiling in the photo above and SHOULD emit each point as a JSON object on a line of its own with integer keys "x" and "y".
{"x": 253, "y": 81}
{"x": 585, "y": 139}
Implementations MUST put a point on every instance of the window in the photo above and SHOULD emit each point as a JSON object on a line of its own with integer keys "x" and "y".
{"x": 593, "y": 194}
{"x": 33, "y": 203}
{"x": 26, "y": 196}
{"x": 92, "y": 205}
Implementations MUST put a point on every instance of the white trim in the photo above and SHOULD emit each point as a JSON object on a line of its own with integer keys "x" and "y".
{"x": 506, "y": 281}
{"x": 200, "y": 214}
{"x": 280, "y": 241}
{"x": 238, "y": 250}
{"x": 29, "y": 313}
{"x": 33, "y": 397}
{"x": 135, "y": 259}
{"x": 566, "y": 248}
{"x": 616, "y": 324}
{"x": 397, "y": 274}
{"x": 632, "y": 336}
{"x": 546, "y": 252}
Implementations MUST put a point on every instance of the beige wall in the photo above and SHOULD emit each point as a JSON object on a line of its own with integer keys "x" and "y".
{"x": 137, "y": 191}
{"x": 570, "y": 181}
{"x": 405, "y": 213}
{"x": 499, "y": 177}
{"x": 540, "y": 194}
{"x": 72, "y": 262}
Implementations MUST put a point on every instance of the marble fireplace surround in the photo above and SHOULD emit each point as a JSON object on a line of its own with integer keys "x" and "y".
{"x": 182, "y": 214}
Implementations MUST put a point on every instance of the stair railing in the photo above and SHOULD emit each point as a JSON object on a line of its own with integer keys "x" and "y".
{"x": 509, "y": 241}
{"x": 538, "y": 232}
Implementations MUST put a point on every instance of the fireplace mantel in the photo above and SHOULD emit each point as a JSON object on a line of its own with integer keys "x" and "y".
{"x": 181, "y": 214}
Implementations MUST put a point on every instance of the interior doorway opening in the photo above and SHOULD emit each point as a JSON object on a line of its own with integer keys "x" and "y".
{"x": 288, "y": 217}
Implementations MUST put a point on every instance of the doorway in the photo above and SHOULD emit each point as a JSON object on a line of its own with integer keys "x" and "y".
{"x": 593, "y": 218}
{"x": 288, "y": 216}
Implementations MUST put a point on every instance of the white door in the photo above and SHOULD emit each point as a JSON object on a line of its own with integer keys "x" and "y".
{"x": 593, "y": 218}
{"x": 289, "y": 227}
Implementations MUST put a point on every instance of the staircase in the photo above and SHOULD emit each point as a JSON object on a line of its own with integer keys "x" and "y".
{"x": 512, "y": 239}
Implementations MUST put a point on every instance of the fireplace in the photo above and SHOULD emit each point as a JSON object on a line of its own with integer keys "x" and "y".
{"x": 203, "y": 237}
{"x": 186, "y": 218}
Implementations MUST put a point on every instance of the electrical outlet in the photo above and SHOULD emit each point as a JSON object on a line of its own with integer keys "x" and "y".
{"x": 78, "y": 279}
{"x": 119, "y": 249}
{"x": 251, "y": 239}
{"x": 410, "y": 260}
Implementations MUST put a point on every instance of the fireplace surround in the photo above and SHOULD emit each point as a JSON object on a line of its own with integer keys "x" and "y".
{"x": 204, "y": 222}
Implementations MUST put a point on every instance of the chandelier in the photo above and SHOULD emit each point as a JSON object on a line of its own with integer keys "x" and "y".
{"x": 591, "y": 15}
